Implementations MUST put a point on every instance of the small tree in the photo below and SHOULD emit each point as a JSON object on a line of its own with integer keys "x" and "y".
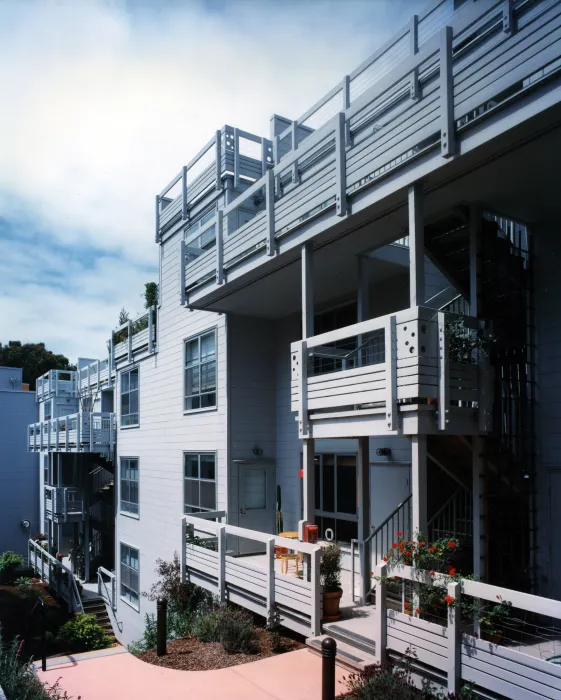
{"x": 150, "y": 294}
{"x": 123, "y": 316}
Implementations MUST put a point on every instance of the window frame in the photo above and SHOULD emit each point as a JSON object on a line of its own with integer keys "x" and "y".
{"x": 122, "y": 510}
{"x": 335, "y": 515}
{"x": 199, "y": 337}
{"x": 198, "y": 508}
{"x": 128, "y": 371}
{"x": 135, "y": 606}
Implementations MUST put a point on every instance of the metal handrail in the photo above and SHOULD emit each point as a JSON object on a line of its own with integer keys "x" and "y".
{"x": 74, "y": 601}
{"x": 349, "y": 354}
{"x": 111, "y": 598}
{"x": 375, "y": 531}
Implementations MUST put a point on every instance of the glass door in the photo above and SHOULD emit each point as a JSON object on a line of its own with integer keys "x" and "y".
{"x": 336, "y": 507}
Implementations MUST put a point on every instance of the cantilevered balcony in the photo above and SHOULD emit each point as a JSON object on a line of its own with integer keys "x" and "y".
{"x": 79, "y": 432}
{"x": 454, "y": 90}
{"x": 133, "y": 339}
{"x": 57, "y": 383}
{"x": 64, "y": 504}
{"x": 412, "y": 372}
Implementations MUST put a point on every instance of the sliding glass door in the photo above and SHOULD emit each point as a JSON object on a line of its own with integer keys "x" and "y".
{"x": 336, "y": 496}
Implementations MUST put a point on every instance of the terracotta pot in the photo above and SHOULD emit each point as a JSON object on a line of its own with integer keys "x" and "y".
{"x": 331, "y": 605}
{"x": 493, "y": 637}
{"x": 432, "y": 401}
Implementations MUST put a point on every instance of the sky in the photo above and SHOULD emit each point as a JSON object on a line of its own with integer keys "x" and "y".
{"x": 101, "y": 105}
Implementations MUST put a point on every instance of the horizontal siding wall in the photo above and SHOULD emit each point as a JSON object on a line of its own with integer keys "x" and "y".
{"x": 165, "y": 433}
{"x": 547, "y": 257}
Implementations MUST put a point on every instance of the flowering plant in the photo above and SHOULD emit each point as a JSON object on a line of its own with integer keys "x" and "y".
{"x": 438, "y": 560}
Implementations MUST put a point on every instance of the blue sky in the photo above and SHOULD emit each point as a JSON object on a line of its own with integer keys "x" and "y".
{"x": 104, "y": 102}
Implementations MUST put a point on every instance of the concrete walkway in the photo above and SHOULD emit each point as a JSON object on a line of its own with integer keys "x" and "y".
{"x": 292, "y": 676}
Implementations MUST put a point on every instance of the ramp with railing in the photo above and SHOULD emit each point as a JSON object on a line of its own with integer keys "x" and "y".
{"x": 59, "y": 577}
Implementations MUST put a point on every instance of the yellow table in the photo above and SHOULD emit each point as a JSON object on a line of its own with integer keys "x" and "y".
{"x": 290, "y": 535}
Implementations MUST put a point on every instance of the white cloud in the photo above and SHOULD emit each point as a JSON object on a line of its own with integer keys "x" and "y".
{"x": 102, "y": 104}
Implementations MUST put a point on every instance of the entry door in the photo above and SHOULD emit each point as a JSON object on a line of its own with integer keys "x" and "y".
{"x": 256, "y": 503}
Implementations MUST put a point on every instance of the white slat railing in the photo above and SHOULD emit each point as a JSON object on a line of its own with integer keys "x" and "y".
{"x": 257, "y": 584}
{"x": 59, "y": 577}
{"x": 107, "y": 589}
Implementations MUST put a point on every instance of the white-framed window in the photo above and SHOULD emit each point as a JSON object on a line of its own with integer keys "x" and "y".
{"x": 200, "y": 371}
{"x": 200, "y": 481}
{"x": 47, "y": 410}
{"x": 130, "y": 574}
{"x": 129, "y": 485}
{"x": 129, "y": 397}
{"x": 336, "y": 495}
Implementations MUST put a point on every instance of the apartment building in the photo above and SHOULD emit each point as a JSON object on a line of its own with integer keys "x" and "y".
{"x": 356, "y": 326}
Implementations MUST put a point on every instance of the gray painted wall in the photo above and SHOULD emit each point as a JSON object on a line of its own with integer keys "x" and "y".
{"x": 19, "y": 469}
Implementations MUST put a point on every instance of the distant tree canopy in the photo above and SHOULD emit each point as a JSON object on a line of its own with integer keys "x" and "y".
{"x": 123, "y": 316}
{"x": 33, "y": 358}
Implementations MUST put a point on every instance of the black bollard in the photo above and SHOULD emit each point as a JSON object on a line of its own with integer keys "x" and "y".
{"x": 43, "y": 637}
{"x": 161, "y": 613}
{"x": 328, "y": 653}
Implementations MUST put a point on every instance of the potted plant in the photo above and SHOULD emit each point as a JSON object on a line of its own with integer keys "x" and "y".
{"x": 330, "y": 572}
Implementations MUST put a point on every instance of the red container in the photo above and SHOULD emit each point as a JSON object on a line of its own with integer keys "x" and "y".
{"x": 310, "y": 533}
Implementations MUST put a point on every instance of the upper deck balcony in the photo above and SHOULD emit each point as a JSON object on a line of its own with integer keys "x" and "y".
{"x": 96, "y": 376}
{"x": 78, "y": 432}
{"x": 64, "y": 504}
{"x": 133, "y": 340}
{"x": 454, "y": 89}
{"x": 57, "y": 383}
{"x": 231, "y": 153}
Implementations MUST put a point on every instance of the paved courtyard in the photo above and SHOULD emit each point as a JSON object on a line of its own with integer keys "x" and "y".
{"x": 292, "y": 676}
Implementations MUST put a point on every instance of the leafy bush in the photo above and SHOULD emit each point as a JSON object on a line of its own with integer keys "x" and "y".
{"x": 237, "y": 632}
{"x": 25, "y": 585}
{"x": 83, "y": 633}
{"x": 149, "y": 637}
{"x": 9, "y": 563}
{"x": 207, "y": 627}
{"x": 180, "y": 595}
{"x": 19, "y": 680}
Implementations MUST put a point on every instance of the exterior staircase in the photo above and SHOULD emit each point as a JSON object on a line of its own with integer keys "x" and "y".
{"x": 96, "y": 607}
{"x": 355, "y": 652}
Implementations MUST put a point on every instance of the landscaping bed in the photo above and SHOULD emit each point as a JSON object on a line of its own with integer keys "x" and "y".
{"x": 190, "y": 654}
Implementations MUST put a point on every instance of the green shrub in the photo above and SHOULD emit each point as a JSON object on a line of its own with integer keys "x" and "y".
{"x": 83, "y": 633}
{"x": 207, "y": 627}
{"x": 19, "y": 680}
{"x": 9, "y": 563}
{"x": 25, "y": 585}
{"x": 237, "y": 632}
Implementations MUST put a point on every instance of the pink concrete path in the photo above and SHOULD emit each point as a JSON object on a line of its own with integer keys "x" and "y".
{"x": 292, "y": 676}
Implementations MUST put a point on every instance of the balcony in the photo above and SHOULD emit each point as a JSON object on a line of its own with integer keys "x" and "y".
{"x": 231, "y": 152}
{"x": 64, "y": 504}
{"x": 135, "y": 339}
{"x": 96, "y": 376}
{"x": 468, "y": 93}
{"x": 403, "y": 374}
{"x": 57, "y": 383}
{"x": 79, "y": 432}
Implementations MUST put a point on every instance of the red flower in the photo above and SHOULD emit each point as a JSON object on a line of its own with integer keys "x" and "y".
{"x": 421, "y": 544}
{"x": 406, "y": 605}
{"x": 451, "y": 571}
{"x": 385, "y": 559}
{"x": 451, "y": 544}
{"x": 431, "y": 573}
{"x": 418, "y": 611}
{"x": 449, "y": 600}
{"x": 394, "y": 545}
{"x": 399, "y": 534}
{"x": 432, "y": 549}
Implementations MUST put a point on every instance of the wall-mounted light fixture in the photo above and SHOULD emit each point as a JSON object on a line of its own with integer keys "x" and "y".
{"x": 257, "y": 451}
{"x": 384, "y": 451}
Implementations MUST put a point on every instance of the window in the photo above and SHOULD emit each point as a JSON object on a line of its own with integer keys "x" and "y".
{"x": 200, "y": 482}
{"x": 47, "y": 410}
{"x": 129, "y": 485}
{"x": 129, "y": 397}
{"x": 200, "y": 372}
{"x": 130, "y": 577}
{"x": 336, "y": 495}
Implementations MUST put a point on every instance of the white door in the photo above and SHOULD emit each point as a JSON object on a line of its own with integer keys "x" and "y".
{"x": 256, "y": 488}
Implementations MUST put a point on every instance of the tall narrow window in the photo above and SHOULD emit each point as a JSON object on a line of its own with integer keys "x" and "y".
{"x": 129, "y": 485}
{"x": 129, "y": 397}
{"x": 200, "y": 482}
{"x": 200, "y": 371}
{"x": 47, "y": 410}
{"x": 130, "y": 574}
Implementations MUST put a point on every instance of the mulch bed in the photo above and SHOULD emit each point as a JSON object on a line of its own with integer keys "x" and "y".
{"x": 192, "y": 655}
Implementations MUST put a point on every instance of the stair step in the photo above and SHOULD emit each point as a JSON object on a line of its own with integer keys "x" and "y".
{"x": 348, "y": 657}
{"x": 349, "y": 637}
